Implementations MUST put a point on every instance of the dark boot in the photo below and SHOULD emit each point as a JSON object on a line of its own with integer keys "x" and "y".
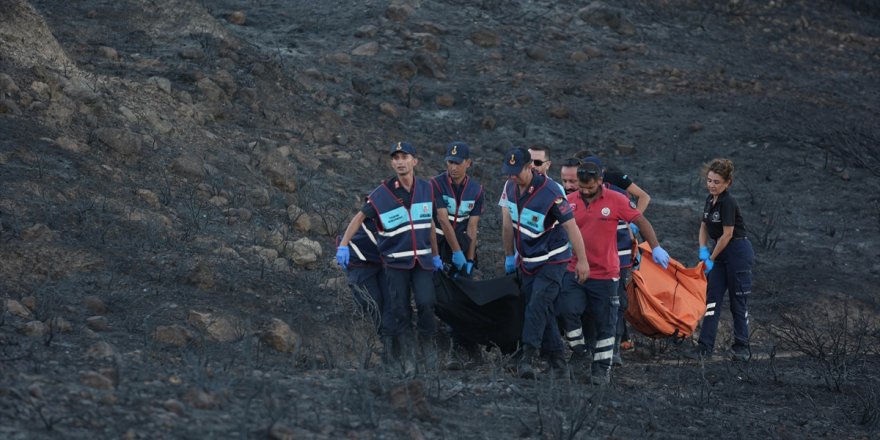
{"x": 429, "y": 352}
{"x": 389, "y": 359}
{"x": 700, "y": 352}
{"x": 453, "y": 360}
{"x": 474, "y": 356}
{"x": 524, "y": 368}
{"x": 558, "y": 367}
{"x": 408, "y": 356}
{"x": 741, "y": 353}
{"x": 616, "y": 360}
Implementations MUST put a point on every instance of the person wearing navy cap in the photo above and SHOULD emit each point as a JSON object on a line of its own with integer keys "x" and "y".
{"x": 541, "y": 233}
{"x": 460, "y": 204}
{"x": 403, "y": 210}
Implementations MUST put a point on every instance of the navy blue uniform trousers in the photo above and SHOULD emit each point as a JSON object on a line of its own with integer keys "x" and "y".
{"x": 732, "y": 273}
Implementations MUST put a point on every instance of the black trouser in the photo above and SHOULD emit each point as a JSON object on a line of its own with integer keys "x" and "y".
{"x": 732, "y": 273}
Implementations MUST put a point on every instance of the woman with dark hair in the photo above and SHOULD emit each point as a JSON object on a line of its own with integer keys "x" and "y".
{"x": 728, "y": 263}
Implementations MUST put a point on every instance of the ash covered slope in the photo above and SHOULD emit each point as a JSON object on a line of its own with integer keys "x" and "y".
{"x": 181, "y": 158}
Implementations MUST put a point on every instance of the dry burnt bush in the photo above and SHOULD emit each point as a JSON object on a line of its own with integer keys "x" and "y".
{"x": 836, "y": 336}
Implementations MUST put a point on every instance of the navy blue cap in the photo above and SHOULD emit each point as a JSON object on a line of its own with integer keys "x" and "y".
{"x": 515, "y": 160}
{"x": 457, "y": 152}
{"x": 592, "y": 159}
{"x": 404, "y": 147}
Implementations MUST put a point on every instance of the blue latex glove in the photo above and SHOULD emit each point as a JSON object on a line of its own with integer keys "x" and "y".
{"x": 342, "y": 256}
{"x": 438, "y": 263}
{"x": 709, "y": 265}
{"x": 704, "y": 253}
{"x": 469, "y": 267}
{"x": 458, "y": 259}
{"x": 634, "y": 229}
{"x": 661, "y": 257}
{"x": 510, "y": 264}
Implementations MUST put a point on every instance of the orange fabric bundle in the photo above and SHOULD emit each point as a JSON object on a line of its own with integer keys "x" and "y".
{"x": 665, "y": 302}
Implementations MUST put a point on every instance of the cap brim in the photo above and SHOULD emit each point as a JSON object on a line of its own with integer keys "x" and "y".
{"x": 456, "y": 159}
{"x": 510, "y": 170}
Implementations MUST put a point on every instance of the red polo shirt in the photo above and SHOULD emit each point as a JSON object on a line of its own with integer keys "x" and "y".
{"x": 597, "y": 222}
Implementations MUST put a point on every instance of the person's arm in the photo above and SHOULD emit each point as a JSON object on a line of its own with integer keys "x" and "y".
{"x": 704, "y": 235}
{"x": 506, "y": 232}
{"x": 647, "y": 231}
{"x": 642, "y": 197}
{"x": 473, "y": 221}
{"x": 448, "y": 230}
{"x": 352, "y": 228}
{"x": 434, "y": 250}
{"x": 582, "y": 270}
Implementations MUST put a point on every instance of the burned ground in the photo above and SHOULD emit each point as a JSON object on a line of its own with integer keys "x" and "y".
{"x": 174, "y": 173}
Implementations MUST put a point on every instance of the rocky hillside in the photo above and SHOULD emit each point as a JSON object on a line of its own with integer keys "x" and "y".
{"x": 173, "y": 174}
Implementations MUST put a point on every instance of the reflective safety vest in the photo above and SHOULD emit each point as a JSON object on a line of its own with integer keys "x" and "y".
{"x": 536, "y": 244}
{"x": 624, "y": 239}
{"x": 405, "y": 234}
{"x": 364, "y": 245}
{"x": 458, "y": 208}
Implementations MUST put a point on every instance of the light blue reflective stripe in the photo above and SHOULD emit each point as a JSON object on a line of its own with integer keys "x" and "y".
{"x": 534, "y": 220}
{"x": 421, "y": 211}
{"x": 465, "y": 208}
{"x": 514, "y": 214}
{"x": 450, "y": 203}
{"x": 394, "y": 218}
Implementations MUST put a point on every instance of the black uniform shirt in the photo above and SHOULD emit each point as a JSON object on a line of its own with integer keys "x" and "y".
{"x": 725, "y": 212}
{"x": 617, "y": 178}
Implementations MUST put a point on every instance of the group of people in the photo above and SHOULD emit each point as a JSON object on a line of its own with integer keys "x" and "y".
{"x": 572, "y": 245}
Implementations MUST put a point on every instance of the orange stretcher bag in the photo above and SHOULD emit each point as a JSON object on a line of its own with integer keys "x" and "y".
{"x": 665, "y": 302}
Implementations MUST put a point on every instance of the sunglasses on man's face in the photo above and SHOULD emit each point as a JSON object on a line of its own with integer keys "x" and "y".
{"x": 539, "y": 162}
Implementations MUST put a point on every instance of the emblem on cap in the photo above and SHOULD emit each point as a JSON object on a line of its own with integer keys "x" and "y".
{"x": 398, "y": 147}
{"x": 454, "y": 150}
{"x": 512, "y": 160}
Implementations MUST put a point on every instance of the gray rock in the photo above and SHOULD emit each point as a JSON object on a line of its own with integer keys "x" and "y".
{"x": 160, "y": 83}
{"x": 108, "y": 52}
{"x": 8, "y": 106}
{"x": 120, "y": 141}
{"x": 7, "y": 84}
{"x": 366, "y": 49}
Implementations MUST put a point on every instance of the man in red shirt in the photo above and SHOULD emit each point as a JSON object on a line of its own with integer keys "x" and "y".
{"x": 597, "y": 209}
